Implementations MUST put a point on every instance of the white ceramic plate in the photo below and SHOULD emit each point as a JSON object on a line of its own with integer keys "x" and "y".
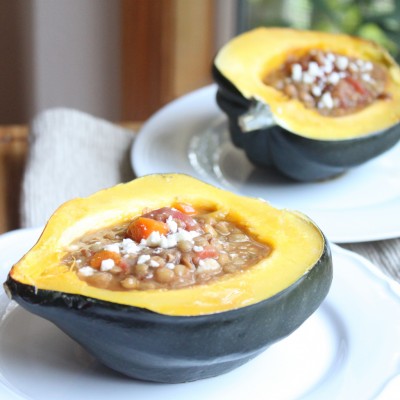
{"x": 190, "y": 136}
{"x": 348, "y": 349}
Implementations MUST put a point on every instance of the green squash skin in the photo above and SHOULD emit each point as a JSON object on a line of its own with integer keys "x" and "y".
{"x": 295, "y": 156}
{"x": 153, "y": 347}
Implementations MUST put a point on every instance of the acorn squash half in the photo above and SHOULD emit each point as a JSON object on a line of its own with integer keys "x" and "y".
{"x": 284, "y": 133}
{"x": 182, "y": 334}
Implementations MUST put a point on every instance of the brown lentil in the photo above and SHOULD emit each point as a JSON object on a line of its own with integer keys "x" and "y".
{"x": 164, "y": 275}
{"x": 130, "y": 282}
{"x": 101, "y": 280}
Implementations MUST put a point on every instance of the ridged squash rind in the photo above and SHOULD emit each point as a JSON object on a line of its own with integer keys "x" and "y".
{"x": 302, "y": 144}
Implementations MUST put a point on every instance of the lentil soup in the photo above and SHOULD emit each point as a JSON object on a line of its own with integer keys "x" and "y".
{"x": 333, "y": 84}
{"x": 171, "y": 247}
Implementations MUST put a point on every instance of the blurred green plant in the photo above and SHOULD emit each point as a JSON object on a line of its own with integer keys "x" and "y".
{"x": 377, "y": 20}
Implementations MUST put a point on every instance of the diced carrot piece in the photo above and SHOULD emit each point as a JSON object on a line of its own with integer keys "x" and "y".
{"x": 97, "y": 258}
{"x": 142, "y": 228}
{"x": 184, "y": 207}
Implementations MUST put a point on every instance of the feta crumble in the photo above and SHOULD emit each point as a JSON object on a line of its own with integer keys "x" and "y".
{"x": 297, "y": 72}
{"x": 172, "y": 225}
{"x": 307, "y": 78}
{"x": 87, "y": 271}
{"x": 334, "y": 78}
{"x": 208, "y": 265}
{"x": 168, "y": 241}
{"x": 154, "y": 263}
{"x": 143, "y": 259}
{"x": 316, "y": 91}
{"x": 154, "y": 239}
{"x": 128, "y": 246}
{"x": 342, "y": 63}
{"x": 114, "y": 247}
{"x": 107, "y": 265}
{"x": 314, "y": 69}
{"x": 326, "y": 101}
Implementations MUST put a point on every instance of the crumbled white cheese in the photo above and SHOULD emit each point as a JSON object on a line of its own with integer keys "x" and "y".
{"x": 182, "y": 234}
{"x": 194, "y": 234}
{"x": 86, "y": 271}
{"x": 114, "y": 247}
{"x": 172, "y": 225}
{"x": 307, "y": 78}
{"x": 170, "y": 265}
{"x": 208, "y": 265}
{"x": 366, "y": 78}
{"x": 330, "y": 57}
{"x": 316, "y": 91}
{"x": 327, "y": 68}
{"x": 128, "y": 246}
{"x": 334, "y": 78}
{"x": 154, "y": 263}
{"x": 154, "y": 239}
{"x": 342, "y": 63}
{"x": 368, "y": 66}
{"x": 168, "y": 241}
{"x": 297, "y": 72}
{"x": 197, "y": 249}
{"x": 326, "y": 101}
{"x": 143, "y": 258}
{"x": 314, "y": 69}
{"x": 107, "y": 265}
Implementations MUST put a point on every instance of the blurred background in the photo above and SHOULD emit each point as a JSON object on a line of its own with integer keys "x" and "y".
{"x": 377, "y": 20}
{"x": 124, "y": 59}
{"x": 117, "y": 59}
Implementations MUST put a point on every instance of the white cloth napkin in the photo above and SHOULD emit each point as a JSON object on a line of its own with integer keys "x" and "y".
{"x": 71, "y": 154}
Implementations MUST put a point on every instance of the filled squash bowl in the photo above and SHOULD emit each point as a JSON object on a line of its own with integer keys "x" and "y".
{"x": 177, "y": 334}
{"x": 310, "y": 104}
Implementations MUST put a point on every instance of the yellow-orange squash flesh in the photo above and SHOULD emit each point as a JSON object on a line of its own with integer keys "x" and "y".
{"x": 297, "y": 245}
